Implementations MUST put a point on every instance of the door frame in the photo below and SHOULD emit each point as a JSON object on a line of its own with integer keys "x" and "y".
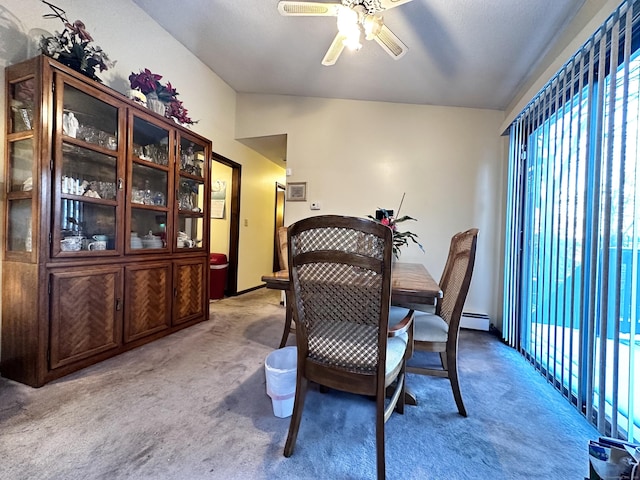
{"x": 278, "y": 221}
{"x": 234, "y": 221}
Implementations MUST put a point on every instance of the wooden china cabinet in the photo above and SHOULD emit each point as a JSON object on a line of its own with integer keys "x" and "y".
{"x": 106, "y": 238}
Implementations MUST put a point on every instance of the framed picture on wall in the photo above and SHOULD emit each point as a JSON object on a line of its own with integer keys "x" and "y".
{"x": 218, "y": 196}
{"x": 297, "y": 192}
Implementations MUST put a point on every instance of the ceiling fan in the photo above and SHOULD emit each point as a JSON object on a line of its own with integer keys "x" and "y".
{"x": 354, "y": 17}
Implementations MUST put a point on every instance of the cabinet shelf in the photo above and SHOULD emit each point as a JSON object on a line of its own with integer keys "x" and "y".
{"x": 25, "y": 195}
{"x": 190, "y": 213}
{"x": 25, "y": 134}
{"x": 154, "y": 208}
{"x": 191, "y": 176}
{"x": 149, "y": 163}
{"x": 89, "y": 145}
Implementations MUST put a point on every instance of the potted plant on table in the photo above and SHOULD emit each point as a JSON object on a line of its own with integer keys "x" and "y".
{"x": 400, "y": 239}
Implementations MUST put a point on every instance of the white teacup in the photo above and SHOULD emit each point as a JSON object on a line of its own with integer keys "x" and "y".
{"x": 97, "y": 245}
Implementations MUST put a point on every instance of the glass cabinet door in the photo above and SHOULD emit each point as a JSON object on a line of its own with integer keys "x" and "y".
{"x": 148, "y": 187}
{"x": 20, "y": 168}
{"x": 20, "y": 185}
{"x": 191, "y": 196}
{"x": 87, "y": 175}
{"x": 22, "y": 103}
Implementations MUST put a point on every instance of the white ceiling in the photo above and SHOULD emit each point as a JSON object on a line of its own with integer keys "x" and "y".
{"x": 465, "y": 53}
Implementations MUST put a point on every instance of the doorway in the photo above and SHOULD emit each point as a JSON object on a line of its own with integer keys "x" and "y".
{"x": 225, "y": 222}
{"x": 279, "y": 222}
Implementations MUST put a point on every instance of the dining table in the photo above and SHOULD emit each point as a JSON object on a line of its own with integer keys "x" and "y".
{"x": 411, "y": 283}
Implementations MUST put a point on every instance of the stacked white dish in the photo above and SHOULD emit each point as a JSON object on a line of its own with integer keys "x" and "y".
{"x": 152, "y": 241}
{"x": 136, "y": 242}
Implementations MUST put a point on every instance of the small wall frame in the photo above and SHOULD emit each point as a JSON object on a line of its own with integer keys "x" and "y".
{"x": 297, "y": 192}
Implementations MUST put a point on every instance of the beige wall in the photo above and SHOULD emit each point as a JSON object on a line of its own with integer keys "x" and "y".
{"x": 129, "y": 36}
{"x": 356, "y": 156}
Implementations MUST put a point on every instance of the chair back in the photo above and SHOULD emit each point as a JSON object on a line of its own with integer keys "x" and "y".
{"x": 283, "y": 253}
{"x": 340, "y": 272}
{"x": 456, "y": 277}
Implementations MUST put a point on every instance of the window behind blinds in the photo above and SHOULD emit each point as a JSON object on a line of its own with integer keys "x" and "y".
{"x": 572, "y": 266}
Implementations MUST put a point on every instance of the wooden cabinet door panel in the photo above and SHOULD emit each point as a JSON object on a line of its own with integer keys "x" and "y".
{"x": 85, "y": 313}
{"x": 148, "y": 300}
{"x": 189, "y": 285}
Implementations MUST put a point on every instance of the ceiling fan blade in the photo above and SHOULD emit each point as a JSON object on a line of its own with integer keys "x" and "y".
{"x": 331, "y": 57}
{"x": 308, "y": 9}
{"x": 387, "y": 4}
{"x": 390, "y": 43}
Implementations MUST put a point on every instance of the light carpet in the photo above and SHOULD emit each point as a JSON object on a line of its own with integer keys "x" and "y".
{"x": 194, "y": 406}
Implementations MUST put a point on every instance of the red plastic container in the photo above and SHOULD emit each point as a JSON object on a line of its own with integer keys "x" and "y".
{"x": 218, "y": 267}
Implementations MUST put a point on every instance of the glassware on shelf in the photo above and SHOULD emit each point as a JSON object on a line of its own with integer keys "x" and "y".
{"x": 159, "y": 199}
{"x": 22, "y": 105}
{"x": 147, "y": 198}
{"x": 137, "y": 196}
{"x": 184, "y": 201}
{"x": 155, "y": 153}
{"x": 22, "y": 117}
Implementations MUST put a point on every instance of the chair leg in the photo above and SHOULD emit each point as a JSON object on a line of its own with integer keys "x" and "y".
{"x": 453, "y": 378}
{"x": 380, "y": 436}
{"x": 294, "y": 425}
{"x": 402, "y": 377}
{"x": 403, "y": 391}
{"x": 443, "y": 360}
{"x": 287, "y": 321}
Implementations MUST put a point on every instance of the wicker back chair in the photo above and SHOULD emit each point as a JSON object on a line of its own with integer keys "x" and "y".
{"x": 340, "y": 277}
{"x": 439, "y": 332}
{"x": 283, "y": 253}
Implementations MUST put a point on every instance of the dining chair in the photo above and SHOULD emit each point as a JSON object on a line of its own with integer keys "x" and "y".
{"x": 283, "y": 255}
{"x": 340, "y": 273}
{"x": 439, "y": 331}
{"x": 283, "y": 259}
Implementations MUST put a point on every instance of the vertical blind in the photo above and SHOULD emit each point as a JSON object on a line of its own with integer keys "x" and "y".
{"x": 572, "y": 256}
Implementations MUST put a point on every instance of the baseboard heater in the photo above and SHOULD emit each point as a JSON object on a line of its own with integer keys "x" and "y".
{"x": 475, "y": 321}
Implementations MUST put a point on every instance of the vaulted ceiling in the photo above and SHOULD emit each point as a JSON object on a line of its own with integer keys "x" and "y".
{"x": 465, "y": 53}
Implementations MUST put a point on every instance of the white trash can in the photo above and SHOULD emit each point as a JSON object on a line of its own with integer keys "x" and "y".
{"x": 280, "y": 369}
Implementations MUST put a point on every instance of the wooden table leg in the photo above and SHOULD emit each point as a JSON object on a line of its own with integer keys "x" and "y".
{"x": 409, "y": 396}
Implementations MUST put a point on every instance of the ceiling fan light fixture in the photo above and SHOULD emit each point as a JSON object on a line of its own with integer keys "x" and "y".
{"x": 349, "y": 27}
{"x": 347, "y": 20}
{"x": 372, "y": 26}
{"x": 352, "y": 40}
{"x": 354, "y": 17}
